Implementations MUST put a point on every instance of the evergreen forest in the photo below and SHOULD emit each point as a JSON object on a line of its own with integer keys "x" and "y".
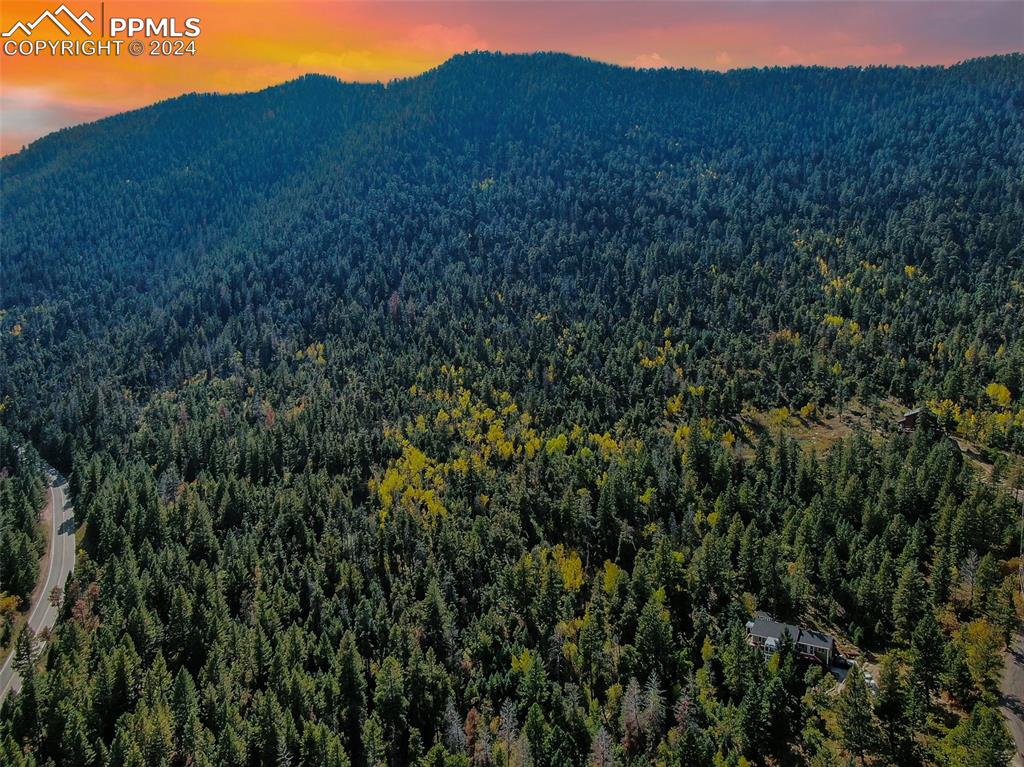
{"x": 467, "y": 420}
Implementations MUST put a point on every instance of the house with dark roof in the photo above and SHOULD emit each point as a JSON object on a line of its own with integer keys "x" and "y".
{"x": 767, "y": 634}
{"x": 918, "y": 416}
{"x": 909, "y": 420}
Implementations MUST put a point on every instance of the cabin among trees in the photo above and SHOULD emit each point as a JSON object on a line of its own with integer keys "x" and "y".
{"x": 919, "y": 416}
{"x": 908, "y": 421}
{"x": 768, "y": 635}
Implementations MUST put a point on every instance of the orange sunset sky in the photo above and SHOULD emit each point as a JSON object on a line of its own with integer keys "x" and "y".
{"x": 248, "y": 45}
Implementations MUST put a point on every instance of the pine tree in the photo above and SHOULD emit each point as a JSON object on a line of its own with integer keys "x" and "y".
{"x": 980, "y": 740}
{"x": 508, "y": 729}
{"x": 535, "y": 732}
{"x": 654, "y": 636}
{"x": 1002, "y": 610}
{"x": 629, "y": 716}
{"x": 688, "y": 745}
{"x": 986, "y": 578}
{"x": 389, "y": 701}
{"x": 927, "y": 653}
{"x": 891, "y": 709}
{"x": 857, "y": 727}
{"x": 454, "y": 734}
{"x": 942, "y": 577}
{"x": 601, "y": 750}
{"x": 735, "y": 669}
{"x": 652, "y": 715}
{"x": 906, "y": 601}
{"x": 373, "y": 742}
{"x": 76, "y": 746}
{"x": 956, "y": 674}
{"x": 25, "y": 652}
{"x": 231, "y": 751}
{"x": 351, "y": 705}
{"x": 12, "y": 755}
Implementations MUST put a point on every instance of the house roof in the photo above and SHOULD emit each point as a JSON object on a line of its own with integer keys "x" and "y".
{"x": 816, "y": 639}
{"x": 764, "y": 627}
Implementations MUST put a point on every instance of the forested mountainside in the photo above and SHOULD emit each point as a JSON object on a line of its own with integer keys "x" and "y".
{"x": 419, "y": 424}
{"x": 21, "y": 497}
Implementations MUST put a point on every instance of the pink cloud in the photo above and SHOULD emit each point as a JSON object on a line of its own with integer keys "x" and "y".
{"x": 31, "y": 111}
{"x": 841, "y": 55}
{"x": 790, "y": 56}
{"x": 650, "y": 61}
{"x": 441, "y": 38}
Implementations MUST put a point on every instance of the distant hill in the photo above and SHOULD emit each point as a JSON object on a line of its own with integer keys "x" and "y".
{"x": 601, "y": 193}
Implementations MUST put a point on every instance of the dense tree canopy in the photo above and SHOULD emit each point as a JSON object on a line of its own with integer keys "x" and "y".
{"x": 412, "y": 424}
{"x": 21, "y": 496}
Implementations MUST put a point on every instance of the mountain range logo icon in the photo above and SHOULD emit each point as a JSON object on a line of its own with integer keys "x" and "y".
{"x": 63, "y": 12}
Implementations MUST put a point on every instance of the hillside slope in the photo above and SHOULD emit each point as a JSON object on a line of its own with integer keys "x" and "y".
{"x": 437, "y": 424}
{"x": 886, "y": 197}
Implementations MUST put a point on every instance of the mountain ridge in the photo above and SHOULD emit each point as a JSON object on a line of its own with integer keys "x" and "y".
{"x": 470, "y": 56}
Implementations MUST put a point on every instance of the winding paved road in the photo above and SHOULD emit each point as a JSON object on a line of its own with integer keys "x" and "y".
{"x": 61, "y": 561}
{"x": 1012, "y": 699}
